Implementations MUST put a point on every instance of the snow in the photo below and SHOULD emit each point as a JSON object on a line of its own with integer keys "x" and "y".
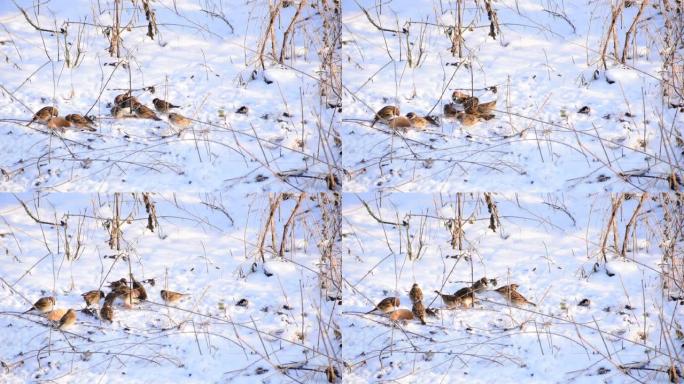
{"x": 195, "y": 61}
{"x": 543, "y": 68}
{"x": 548, "y": 244}
{"x": 195, "y": 250}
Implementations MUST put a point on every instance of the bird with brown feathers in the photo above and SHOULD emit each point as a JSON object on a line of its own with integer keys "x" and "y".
{"x": 401, "y": 314}
{"x": 179, "y": 121}
{"x": 386, "y": 305}
{"x": 480, "y": 285}
{"x": 44, "y": 114}
{"x": 465, "y": 300}
{"x": 107, "y": 313}
{"x": 399, "y": 123}
{"x": 67, "y": 320}
{"x": 415, "y": 294}
{"x": 417, "y": 122}
{"x": 143, "y": 112}
{"x": 126, "y": 100}
{"x": 171, "y": 297}
{"x": 385, "y": 114}
{"x": 81, "y": 122}
{"x": 43, "y": 305}
{"x": 163, "y": 106}
{"x": 142, "y": 293}
{"x": 511, "y": 294}
{"x": 57, "y": 123}
{"x": 93, "y": 297}
{"x": 419, "y": 310}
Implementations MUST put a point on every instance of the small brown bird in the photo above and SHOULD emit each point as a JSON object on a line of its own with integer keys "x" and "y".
{"x": 401, "y": 314}
{"x": 179, "y": 121}
{"x": 118, "y": 283}
{"x": 399, "y": 123}
{"x": 110, "y": 298}
{"x": 125, "y": 100}
{"x": 419, "y": 310}
{"x": 163, "y": 106}
{"x": 451, "y": 110}
{"x": 417, "y": 121}
{"x": 171, "y": 297}
{"x": 454, "y": 301}
{"x": 44, "y": 114}
{"x": 56, "y": 314}
{"x": 107, "y": 313}
{"x": 93, "y": 297}
{"x": 486, "y": 107}
{"x": 510, "y": 292}
{"x": 480, "y": 285}
{"x": 467, "y": 119}
{"x": 137, "y": 286}
{"x": 470, "y": 103}
{"x": 57, "y": 123}
{"x": 81, "y": 122}
{"x": 43, "y": 305}
{"x": 68, "y": 319}
{"x": 388, "y": 304}
{"x": 415, "y": 294}
{"x": 120, "y": 113}
{"x": 143, "y": 112}
{"x": 385, "y": 114}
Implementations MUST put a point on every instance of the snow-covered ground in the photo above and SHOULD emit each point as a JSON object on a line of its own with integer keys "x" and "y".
{"x": 203, "y": 245}
{"x": 204, "y": 58}
{"x": 549, "y": 245}
{"x": 544, "y": 66}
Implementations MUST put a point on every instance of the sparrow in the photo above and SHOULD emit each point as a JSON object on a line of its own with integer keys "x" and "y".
{"x": 486, "y": 107}
{"x": 415, "y": 294}
{"x": 81, "y": 122}
{"x": 56, "y": 314}
{"x": 125, "y": 100}
{"x": 480, "y": 285}
{"x": 57, "y": 123}
{"x": 179, "y": 121}
{"x": 120, "y": 113}
{"x": 107, "y": 313}
{"x": 163, "y": 106}
{"x": 143, "y": 112}
{"x": 43, "y": 305}
{"x": 388, "y": 304}
{"x": 510, "y": 292}
{"x": 118, "y": 283}
{"x": 453, "y": 301}
{"x": 93, "y": 297}
{"x": 171, "y": 297}
{"x": 451, "y": 110}
{"x": 466, "y": 295}
{"x": 385, "y": 113}
{"x": 68, "y": 319}
{"x": 399, "y": 122}
{"x": 44, "y": 114}
{"x": 141, "y": 292}
{"x": 419, "y": 310}
{"x": 110, "y": 298}
{"x": 417, "y": 121}
{"x": 467, "y": 119}
{"x": 401, "y": 314}
{"x": 470, "y": 103}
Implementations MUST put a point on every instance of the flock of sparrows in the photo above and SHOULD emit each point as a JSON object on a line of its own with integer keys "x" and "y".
{"x": 128, "y": 106}
{"x": 131, "y": 293}
{"x": 466, "y": 109}
{"x": 125, "y": 106}
{"x": 462, "y": 298}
